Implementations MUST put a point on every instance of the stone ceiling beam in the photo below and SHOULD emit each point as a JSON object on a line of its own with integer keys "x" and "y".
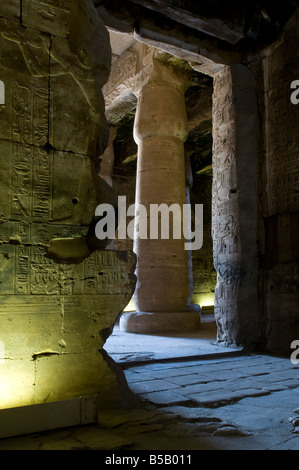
{"x": 202, "y": 55}
{"x": 223, "y": 20}
{"x": 197, "y": 31}
{"x": 161, "y": 32}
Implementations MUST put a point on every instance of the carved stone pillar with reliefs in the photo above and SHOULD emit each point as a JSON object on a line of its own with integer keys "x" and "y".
{"x": 234, "y": 205}
{"x": 160, "y": 129}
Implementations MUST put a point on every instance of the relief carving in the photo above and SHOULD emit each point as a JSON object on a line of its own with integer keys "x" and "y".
{"x": 121, "y": 78}
{"x": 233, "y": 244}
{"x": 51, "y": 127}
{"x": 52, "y": 16}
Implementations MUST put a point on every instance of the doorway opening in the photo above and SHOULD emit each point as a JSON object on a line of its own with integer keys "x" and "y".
{"x": 126, "y": 347}
{"x": 221, "y": 174}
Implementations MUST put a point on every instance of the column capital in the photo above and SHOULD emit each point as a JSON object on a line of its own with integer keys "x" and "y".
{"x": 156, "y": 71}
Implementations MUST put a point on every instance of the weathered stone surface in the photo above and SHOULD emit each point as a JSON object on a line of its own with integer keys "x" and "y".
{"x": 122, "y": 77}
{"x": 11, "y": 11}
{"x": 171, "y": 36}
{"x": 17, "y": 382}
{"x": 118, "y": 19}
{"x": 71, "y": 75}
{"x": 47, "y": 323}
{"x": 214, "y": 21}
{"x": 279, "y": 191}
{"x": 87, "y": 28}
{"x": 59, "y": 294}
{"x": 234, "y": 210}
{"x": 160, "y": 129}
{"x": 24, "y": 70}
{"x": 72, "y": 376}
{"x": 50, "y": 16}
{"x": 106, "y": 161}
{"x": 48, "y": 186}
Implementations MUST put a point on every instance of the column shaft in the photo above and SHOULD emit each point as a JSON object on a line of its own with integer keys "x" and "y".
{"x": 160, "y": 130}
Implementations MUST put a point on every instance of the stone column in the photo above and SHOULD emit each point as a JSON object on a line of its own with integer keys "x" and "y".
{"x": 188, "y": 187}
{"x": 160, "y": 130}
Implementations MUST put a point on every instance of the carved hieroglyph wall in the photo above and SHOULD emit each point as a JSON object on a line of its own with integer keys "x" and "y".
{"x": 280, "y": 197}
{"x": 234, "y": 206}
{"x": 54, "y": 315}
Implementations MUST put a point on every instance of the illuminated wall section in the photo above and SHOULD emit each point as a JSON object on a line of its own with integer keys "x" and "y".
{"x": 55, "y": 314}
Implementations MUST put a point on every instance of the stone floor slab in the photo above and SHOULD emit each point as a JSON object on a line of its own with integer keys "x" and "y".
{"x": 248, "y": 412}
{"x": 126, "y": 348}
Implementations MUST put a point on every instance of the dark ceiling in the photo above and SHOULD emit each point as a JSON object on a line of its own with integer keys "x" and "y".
{"x": 198, "y": 145}
{"x": 234, "y": 29}
{"x": 233, "y": 25}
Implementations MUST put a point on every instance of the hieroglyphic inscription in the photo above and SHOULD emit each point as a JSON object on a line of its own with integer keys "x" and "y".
{"x": 31, "y": 180}
{"x": 52, "y": 16}
{"x": 29, "y": 114}
{"x": 42, "y": 184}
{"x": 22, "y": 269}
{"x": 53, "y": 101}
{"x": 49, "y": 279}
{"x": 282, "y": 127}
{"x": 225, "y": 223}
{"x": 21, "y": 179}
{"x": 102, "y": 276}
{"x": 90, "y": 275}
{"x": 21, "y": 121}
{"x": 29, "y": 272}
{"x": 234, "y": 202}
{"x": 40, "y": 112}
{"x": 122, "y": 77}
{"x": 120, "y": 108}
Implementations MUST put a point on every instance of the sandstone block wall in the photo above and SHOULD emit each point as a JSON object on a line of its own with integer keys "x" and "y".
{"x": 279, "y": 190}
{"x": 55, "y": 314}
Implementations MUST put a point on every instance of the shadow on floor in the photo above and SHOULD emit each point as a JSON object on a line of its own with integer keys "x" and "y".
{"x": 128, "y": 348}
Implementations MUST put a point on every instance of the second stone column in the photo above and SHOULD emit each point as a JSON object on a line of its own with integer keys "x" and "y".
{"x": 160, "y": 129}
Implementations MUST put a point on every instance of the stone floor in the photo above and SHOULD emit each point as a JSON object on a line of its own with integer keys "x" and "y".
{"x": 129, "y": 348}
{"x": 221, "y": 402}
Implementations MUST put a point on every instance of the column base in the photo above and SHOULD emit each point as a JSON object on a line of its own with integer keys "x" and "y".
{"x": 160, "y": 322}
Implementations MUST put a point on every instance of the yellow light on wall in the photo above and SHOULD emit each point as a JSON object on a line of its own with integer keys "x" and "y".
{"x": 16, "y": 383}
{"x": 130, "y": 307}
{"x": 204, "y": 300}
